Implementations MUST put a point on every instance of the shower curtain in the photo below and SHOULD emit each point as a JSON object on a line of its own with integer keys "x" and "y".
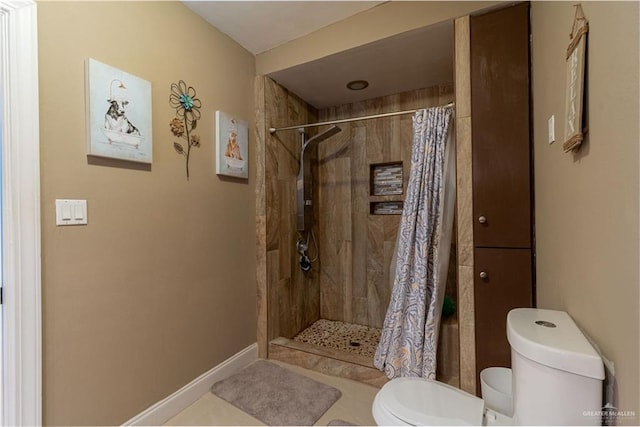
{"x": 410, "y": 333}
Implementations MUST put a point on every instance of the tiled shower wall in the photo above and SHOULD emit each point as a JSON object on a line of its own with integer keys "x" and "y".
{"x": 289, "y": 297}
{"x": 356, "y": 247}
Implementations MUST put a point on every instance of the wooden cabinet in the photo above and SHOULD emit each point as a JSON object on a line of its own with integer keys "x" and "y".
{"x": 502, "y": 282}
{"x": 500, "y": 128}
{"x": 502, "y": 182}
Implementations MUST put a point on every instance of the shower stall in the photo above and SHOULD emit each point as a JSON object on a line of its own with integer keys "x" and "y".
{"x": 328, "y": 317}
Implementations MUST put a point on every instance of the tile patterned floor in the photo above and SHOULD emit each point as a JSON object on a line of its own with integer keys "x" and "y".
{"x": 354, "y": 405}
{"x": 357, "y": 339}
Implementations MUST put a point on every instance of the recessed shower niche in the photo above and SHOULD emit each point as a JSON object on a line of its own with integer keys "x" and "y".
{"x": 386, "y": 188}
{"x": 329, "y": 317}
{"x": 386, "y": 179}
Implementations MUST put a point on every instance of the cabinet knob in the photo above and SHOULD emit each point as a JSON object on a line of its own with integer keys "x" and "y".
{"x": 482, "y": 219}
{"x": 484, "y": 275}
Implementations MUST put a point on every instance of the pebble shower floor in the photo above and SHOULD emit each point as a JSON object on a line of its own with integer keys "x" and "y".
{"x": 357, "y": 339}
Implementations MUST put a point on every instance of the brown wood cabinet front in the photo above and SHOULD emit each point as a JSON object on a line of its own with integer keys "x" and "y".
{"x": 502, "y": 282}
{"x": 502, "y": 197}
{"x": 500, "y": 127}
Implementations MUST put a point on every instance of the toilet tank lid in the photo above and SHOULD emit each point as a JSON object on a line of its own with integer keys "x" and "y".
{"x": 552, "y": 338}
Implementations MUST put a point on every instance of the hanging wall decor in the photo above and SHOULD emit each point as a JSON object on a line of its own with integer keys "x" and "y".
{"x": 183, "y": 99}
{"x": 575, "y": 70}
{"x": 232, "y": 146}
{"x": 118, "y": 113}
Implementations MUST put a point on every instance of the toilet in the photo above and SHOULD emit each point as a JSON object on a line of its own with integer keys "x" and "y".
{"x": 556, "y": 379}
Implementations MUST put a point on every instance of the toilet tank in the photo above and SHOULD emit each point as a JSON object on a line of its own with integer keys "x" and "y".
{"x": 557, "y": 374}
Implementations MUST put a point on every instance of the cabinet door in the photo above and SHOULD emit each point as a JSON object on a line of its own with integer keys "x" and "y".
{"x": 502, "y": 282}
{"x": 500, "y": 127}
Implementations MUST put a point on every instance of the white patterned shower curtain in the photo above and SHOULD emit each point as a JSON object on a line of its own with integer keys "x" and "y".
{"x": 410, "y": 333}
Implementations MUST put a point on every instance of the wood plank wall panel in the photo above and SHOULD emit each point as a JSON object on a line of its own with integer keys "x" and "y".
{"x": 262, "y": 290}
{"x": 293, "y": 296}
{"x": 464, "y": 207}
{"x": 353, "y": 242}
{"x": 357, "y": 300}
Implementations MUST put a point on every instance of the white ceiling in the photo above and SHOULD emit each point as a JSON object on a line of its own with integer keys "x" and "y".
{"x": 262, "y": 25}
{"x": 411, "y": 60}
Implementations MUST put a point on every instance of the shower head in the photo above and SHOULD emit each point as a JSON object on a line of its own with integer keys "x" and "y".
{"x": 322, "y": 136}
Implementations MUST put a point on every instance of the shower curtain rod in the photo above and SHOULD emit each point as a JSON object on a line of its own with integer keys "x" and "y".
{"x": 272, "y": 131}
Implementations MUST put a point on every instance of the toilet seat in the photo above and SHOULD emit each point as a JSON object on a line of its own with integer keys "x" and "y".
{"x": 416, "y": 401}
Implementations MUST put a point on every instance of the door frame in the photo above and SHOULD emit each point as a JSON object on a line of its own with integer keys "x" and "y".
{"x": 22, "y": 315}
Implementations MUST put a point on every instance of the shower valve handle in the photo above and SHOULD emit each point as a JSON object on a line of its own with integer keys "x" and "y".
{"x": 305, "y": 263}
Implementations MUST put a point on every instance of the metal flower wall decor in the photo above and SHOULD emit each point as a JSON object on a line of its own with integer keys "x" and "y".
{"x": 183, "y": 99}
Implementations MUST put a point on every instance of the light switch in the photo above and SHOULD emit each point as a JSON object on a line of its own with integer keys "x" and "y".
{"x": 71, "y": 212}
{"x": 552, "y": 129}
{"x": 66, "y": 212}
{"x": 78, "y": 212}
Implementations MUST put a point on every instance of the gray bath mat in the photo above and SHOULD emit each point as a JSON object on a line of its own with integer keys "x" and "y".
{"x": 276, "y": 396}
{"x": 340, "y": 422}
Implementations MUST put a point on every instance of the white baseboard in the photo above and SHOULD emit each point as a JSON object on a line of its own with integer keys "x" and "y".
{"x": 172, "y": 405}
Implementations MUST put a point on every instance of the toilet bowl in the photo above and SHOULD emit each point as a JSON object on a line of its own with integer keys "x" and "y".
{"x": 416, "y": 401}
{"x": 556, "y": 380}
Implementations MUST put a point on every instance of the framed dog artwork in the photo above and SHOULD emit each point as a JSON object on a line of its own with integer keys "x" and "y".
{"x": 232, "y": 146}
{"x": 118, "y": 115}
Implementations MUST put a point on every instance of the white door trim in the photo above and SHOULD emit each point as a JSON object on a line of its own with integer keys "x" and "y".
{"x": 22, "y": 361}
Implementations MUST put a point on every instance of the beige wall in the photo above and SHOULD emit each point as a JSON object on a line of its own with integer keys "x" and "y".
{"x": 159, "y": 287}
{"x": 587, "y": 203}
{"x": 383, "y": 21}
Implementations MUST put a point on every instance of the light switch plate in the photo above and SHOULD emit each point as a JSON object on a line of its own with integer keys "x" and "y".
{"x": 71, "y": 212}
{"x": 552, "y": 129}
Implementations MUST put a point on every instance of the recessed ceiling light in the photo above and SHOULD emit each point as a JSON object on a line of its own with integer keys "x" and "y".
{"x": 358, "y": 84}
